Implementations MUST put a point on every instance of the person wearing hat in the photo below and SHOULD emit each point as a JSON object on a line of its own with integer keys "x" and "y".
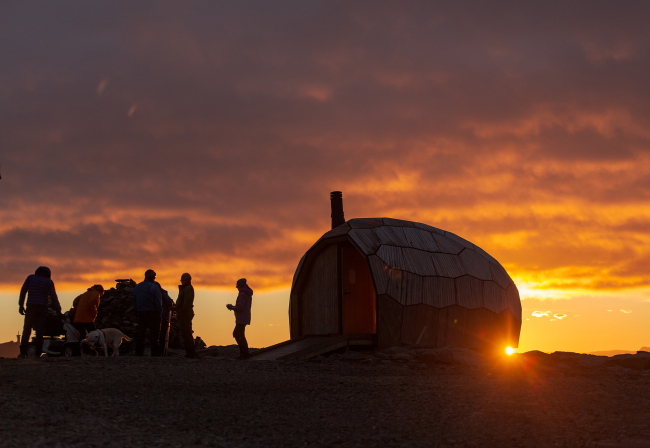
{"x": 41, "y": 294}
{"x": 147, "y": 300}
{"x": 185, "y": 313}
{"x": 242, "y": 311}
{"x": 84, "y": 308}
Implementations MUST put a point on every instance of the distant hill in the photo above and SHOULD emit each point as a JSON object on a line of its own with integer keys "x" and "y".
{"x": 9, "y": 349}
{"x": 618, "y": 352}
{"x": 611, "y": 352}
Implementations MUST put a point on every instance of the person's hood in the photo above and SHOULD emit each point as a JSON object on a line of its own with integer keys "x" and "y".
{"x": 246, "y": 290}
{"x": 97, "y": 288}
{"x": 44, "y": 271}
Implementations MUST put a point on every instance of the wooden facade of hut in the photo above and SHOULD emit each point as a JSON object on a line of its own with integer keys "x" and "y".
{"x": 404, "y": 282}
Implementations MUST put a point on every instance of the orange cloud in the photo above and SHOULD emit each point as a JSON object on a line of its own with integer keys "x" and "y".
{"x": 535, "y": 149}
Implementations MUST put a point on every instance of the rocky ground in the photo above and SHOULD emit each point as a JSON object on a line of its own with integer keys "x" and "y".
{"x": 399, "y": 398}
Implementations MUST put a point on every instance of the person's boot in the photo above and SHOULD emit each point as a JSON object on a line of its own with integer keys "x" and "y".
{"x": 243, "y": 354}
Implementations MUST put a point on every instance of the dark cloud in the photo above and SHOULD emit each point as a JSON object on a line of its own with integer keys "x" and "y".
{"x": 220, "y": 128}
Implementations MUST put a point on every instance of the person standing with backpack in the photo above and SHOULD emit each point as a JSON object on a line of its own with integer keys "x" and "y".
{"x": 41, "y": 293}
{"x": 147, "y": 299}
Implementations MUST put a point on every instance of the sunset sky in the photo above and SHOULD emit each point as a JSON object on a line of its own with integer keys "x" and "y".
{"x": 205, "y": 137}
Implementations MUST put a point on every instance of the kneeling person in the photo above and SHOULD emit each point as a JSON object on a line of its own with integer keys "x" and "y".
{"x": 85, "y": 310}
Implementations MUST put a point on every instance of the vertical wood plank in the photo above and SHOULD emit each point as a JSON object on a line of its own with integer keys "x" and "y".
{"x": 494, "y": 297}
{"x": 438, "y": 292}
{"x": 469, "y": 292}
{"x": 421, "y": 239}
{"x": 392, "y": 256}
{"x": 446, "y": 245}
{"x": 319, "y": 299}
{"x": 390, "y": 315}
{"x": 366, "y": 239}
{"x": 500, "y": 276}
{"x": 294, "y": 316}
{"x": 476, "y": 265}
{"x": 394, "y": 287}
{"x": 514, "y": 303}
{"x": 418, "y": 261}
{"x": 380, "y": 273}
{"x": 447, "y": 265}
{"x": 411, "y": 293}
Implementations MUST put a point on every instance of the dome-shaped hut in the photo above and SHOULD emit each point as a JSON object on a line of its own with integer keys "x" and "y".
{"x": 405, "y": 282}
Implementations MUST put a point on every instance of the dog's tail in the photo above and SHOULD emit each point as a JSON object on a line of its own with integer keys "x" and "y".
{"x": 126, "y": 337}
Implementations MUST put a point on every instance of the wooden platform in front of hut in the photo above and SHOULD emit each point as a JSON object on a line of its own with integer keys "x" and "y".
{"x": 307, "y": 347}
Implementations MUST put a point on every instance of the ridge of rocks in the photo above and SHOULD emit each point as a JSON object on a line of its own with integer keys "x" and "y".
{"x": 116, "y": 310}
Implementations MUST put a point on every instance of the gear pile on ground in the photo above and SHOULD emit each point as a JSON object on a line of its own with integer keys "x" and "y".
{"x": 116, "y": 310}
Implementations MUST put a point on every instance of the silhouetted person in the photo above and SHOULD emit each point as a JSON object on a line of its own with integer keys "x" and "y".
{"x": 147, "y": 299}
{"x": 165, "y": 318}
{"x": 85, "y": 310}
{"x": 242, "y": 311}
{"x": 185, "y": 313}
{"x": 40, "y": 291}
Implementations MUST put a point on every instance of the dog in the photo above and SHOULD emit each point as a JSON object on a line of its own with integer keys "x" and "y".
{"x": 104, "y": 338}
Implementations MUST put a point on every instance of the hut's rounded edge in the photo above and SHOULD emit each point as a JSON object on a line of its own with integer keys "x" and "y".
{"x": 469, "y": 322}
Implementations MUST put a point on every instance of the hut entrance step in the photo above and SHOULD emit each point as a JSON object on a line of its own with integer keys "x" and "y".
{"x": 307, "y": 347}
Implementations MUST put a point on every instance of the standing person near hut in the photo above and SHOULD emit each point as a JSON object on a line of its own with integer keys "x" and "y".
{"x": 242, "y": 311}
{"x": 165, "y": 318}
{"x": 40, "y": 292}
{"x": 147, "y": 299}
{"x": 85, "y": 310}
{"x": 185, "y": 313}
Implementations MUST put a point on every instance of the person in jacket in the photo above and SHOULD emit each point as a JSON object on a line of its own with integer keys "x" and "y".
{"x": 242, "y": 311}
{"x": 41, "y": 293}
{"x": 85, "y": 310}
{"x": 185, "y": 313}
{"x": 147, "y": 299}
{"x": 165, "y": 318}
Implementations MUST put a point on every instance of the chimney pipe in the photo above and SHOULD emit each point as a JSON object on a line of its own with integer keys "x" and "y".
{"x": 336, "y": 198}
